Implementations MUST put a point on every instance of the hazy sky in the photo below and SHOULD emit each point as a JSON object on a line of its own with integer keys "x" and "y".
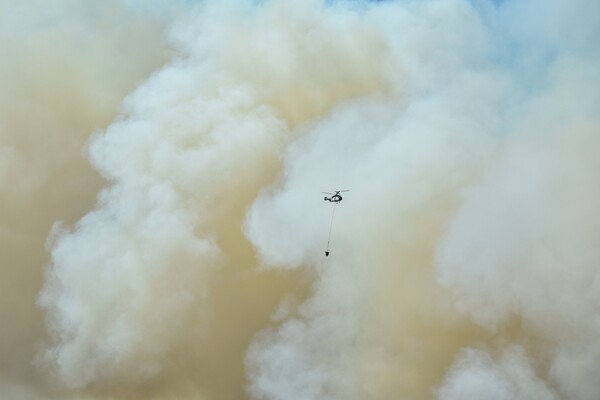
{"x": 162, "y": 229}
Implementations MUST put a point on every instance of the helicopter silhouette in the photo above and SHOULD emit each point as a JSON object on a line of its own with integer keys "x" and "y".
{"x": 334, "y": 197}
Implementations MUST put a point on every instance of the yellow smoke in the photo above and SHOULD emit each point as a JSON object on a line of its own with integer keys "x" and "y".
{"x": 463, "y": 260}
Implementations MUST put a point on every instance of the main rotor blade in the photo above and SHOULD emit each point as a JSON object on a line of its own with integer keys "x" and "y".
{"x": 327, "y": 193}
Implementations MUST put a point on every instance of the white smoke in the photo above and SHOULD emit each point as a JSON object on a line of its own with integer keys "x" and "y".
{"x": 66, "y": 65}
{"x": 475, "y": 375}
{"x": 523, "y": 244}
{"x": 463, "y": 260}
{"x": 196, "y": 143}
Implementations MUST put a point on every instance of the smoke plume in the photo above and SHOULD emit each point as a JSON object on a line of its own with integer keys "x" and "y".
{"x": 65, "y": 69}
{"x": 464, "y": 259}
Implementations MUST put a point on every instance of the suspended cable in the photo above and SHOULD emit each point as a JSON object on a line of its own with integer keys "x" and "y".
{"x": 330, "y": 228}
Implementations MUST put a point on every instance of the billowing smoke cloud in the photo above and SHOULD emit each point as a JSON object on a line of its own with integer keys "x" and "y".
{"x": 463, "y": 260}
{"x": 490, "y": 177}
{"x": 197, "y": 142}
{"x": 475, "y": 375}
{"x": 64, "y": 71}
{"x": 524, "y": 243}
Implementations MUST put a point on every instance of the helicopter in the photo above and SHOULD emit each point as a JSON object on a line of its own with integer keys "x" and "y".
{"x": 334, "y": 197}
